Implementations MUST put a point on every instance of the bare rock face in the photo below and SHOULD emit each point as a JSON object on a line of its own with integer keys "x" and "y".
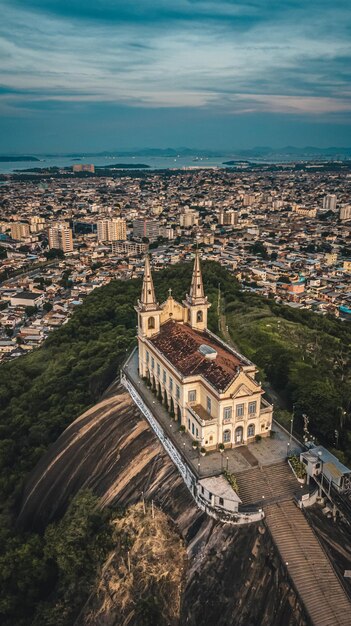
{"x": 233, "y": 575}
{"x": 244, "y": 581}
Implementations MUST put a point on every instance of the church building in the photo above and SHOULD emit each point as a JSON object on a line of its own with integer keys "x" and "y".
{"x": 207, "y": 386}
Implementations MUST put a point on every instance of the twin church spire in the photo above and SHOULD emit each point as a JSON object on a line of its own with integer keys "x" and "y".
{"x": 193, "y": 310}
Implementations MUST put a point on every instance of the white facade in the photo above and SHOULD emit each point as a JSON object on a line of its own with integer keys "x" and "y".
{"x": 60, "y": 237}
{"x": 112, "y": 229}
{"x": 217, "y": 400}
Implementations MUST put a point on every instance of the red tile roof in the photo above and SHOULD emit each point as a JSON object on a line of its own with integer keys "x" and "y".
{"x": 180, "y": 344}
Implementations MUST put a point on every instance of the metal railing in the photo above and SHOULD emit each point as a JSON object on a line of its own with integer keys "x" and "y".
{"x": 189, "y": 477}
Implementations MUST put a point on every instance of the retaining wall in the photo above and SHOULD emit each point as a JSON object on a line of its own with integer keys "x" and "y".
{"x": 189, "y": 478}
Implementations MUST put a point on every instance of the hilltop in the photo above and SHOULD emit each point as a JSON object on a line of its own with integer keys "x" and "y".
{"x": 304, "y": 357}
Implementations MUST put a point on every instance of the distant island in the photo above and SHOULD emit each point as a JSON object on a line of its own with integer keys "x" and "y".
{"x": 122, "y": 166}
{"x": 7, "y": 159}
{"x": 99, "y": 169}
{"x": 238, "y": 163}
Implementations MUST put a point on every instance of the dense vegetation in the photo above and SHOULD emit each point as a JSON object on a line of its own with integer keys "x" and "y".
{"x": 46, "y": 578}
{"x": 305, "y": 358}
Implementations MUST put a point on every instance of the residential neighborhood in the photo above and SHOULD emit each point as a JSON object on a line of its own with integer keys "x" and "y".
{"x": 284, "y": 234}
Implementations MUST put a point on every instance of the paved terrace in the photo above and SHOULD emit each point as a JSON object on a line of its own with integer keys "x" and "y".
{"x": 267, "y": 452}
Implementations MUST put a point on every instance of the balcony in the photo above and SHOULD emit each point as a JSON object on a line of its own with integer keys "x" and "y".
{"x": 265, "y": 407}
{"x": 201, "y": 415}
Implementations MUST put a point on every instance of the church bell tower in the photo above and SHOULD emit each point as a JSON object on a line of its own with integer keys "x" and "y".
{"x": 196, "y": 302}
{"x": 148, "y": 310}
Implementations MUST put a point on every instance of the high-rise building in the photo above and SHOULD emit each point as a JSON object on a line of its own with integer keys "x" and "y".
{"x": 345, "y": 212}
{"x": 188, "y": 218}
{"x": 112, "y": 229}
{"x": 248, "y": 199}
{"x": 277, "y": 204}
{"x": 19, "y": 230}
{"x": 36, "y": 224}
{"x": 84, "y": 167}
{"x": 167, "y": 232}
{"x": 228, "y": 218}
{"x": 146, "y": 228}
{"x": 329, "y": 202}
{"x": 60, "y": 237}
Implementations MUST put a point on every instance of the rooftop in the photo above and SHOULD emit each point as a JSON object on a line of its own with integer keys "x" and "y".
{"x": 220, "y": 487}
{"x": 330, "y": 461}
{"x": 27, "y": 295}
{"x": 180, "y": 344}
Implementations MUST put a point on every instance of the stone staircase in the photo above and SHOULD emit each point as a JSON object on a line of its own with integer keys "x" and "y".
{"x": 264, "y": 485}
{"x": 309, "y": 568}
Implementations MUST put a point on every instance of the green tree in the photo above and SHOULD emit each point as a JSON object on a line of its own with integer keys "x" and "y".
{"x": 30, "y": 310}
{"x": 259, "y": 249}
{"x": 54, "y": 253}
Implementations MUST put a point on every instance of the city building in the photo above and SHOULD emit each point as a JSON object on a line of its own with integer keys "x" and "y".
{"x": 228, "y": 218}
{"x": 304, "y": 211}
{"x": 146, "y": 228}
{"x": 60, "y": 237}
{"x": 128, "y": 247}
{"x": 36, "y": 224}
{"x": 188, "y": 218}
{"x": 329, "y": 202}
{"x": 112, "y": 229}
{"x": 19, "y": 230}
{"x": 345, "y": 212}
{"x": 208, "y": 386}
{"x": 84, "y": 167}
{"x": 27, "y": 298}
{"x": 331, "y": 258}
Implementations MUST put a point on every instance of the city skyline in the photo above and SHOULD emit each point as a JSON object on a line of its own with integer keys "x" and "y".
{"x": 227, "y": 75}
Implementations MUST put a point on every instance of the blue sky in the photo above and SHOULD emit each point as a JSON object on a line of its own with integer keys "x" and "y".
{"x": 111, "y": 74}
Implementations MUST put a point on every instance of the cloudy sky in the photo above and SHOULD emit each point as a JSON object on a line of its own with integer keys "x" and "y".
{"x": 220, "y": 74}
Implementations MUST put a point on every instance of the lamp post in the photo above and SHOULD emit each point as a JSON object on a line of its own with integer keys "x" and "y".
{"x": 343, "y": 413}
{"x": 221, "y": 451}
{"x": 227, "y": 462}
{"x": 291, "y": 426}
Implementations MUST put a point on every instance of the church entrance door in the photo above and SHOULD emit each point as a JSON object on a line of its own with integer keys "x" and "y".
{"x": 239, "y": 434}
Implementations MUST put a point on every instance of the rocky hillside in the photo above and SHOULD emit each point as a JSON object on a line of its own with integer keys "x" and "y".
{"x": 232, "y": 575}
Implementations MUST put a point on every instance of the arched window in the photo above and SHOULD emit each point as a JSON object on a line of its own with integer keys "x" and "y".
{"x": 251, "y": 430}
{"x": 151, "y": 322}
{"x": 239, "y": 432}
{"x": 199, "y": 316}
{"x": 226, "y": 436}
{"x": 211, "y": 438}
